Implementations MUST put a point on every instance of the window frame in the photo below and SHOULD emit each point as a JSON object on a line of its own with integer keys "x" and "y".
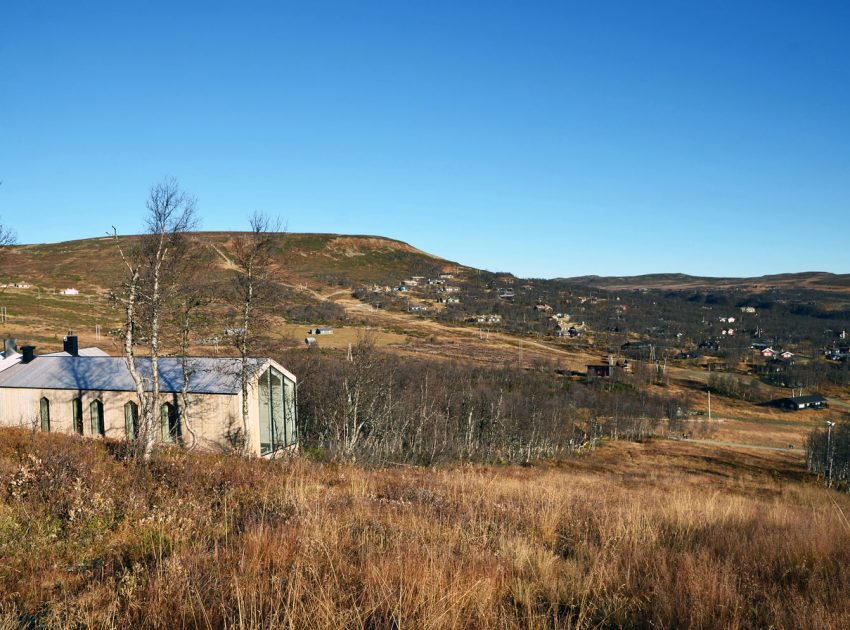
{"x": 168, "y": 413}
{"x": 44, "y": 414}
{"x": 98, "y": 429}
{"x": 131, "y": 423}
{"x": 77, "y": 419}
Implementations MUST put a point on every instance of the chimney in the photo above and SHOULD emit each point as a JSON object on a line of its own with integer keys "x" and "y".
{"x": 10, "y": 346}
{"x": 71, "y": 345}
{"x": 28, "y": 352}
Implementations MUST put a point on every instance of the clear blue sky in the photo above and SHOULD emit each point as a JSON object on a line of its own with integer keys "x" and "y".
{"x": 544, "y": 138}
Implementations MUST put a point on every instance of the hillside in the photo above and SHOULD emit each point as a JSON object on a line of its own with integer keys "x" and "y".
{"x": 94, "y": 265}
{"x": 815, "y": 280}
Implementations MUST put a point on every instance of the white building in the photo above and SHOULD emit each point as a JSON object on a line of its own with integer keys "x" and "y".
{"x": 89, "y": 393}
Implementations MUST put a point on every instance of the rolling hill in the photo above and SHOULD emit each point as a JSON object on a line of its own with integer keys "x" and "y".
{"x": 816, "y": 280}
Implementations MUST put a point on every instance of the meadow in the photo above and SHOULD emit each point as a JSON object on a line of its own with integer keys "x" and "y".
{"x": 659, "y": 533}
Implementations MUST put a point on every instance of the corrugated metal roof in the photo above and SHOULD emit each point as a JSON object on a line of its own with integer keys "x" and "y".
{"x": 208, "y": 375}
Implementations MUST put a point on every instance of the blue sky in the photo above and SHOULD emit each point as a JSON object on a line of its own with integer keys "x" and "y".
{"x": 544, "y": 138}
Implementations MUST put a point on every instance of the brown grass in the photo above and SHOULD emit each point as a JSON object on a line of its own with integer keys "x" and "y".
{"x": 656, "y": 534}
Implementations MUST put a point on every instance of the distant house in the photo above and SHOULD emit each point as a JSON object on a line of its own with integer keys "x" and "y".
{"x": 506, "y": 294}
{"x": 786, "y": 355}
{"x": 449, "y": 300}
{"x": 485, "y": 319}
{"x": 69, "y": 292}
{"x": 768, "y": 353}
{"x": 748, "y": 309}
{"x": 418, "y": 309}
{"x": 709, "y": 344}
{"x": 401, "y": 288}
{"x": 563, "y": 331}
{"x": 797, "y": 403}
{"x": 410, "y": 283}
{"x": 321, "y": 330}
{"x": 600, "y": 370}
{"x": 448, "y": 289}
{"x": 632, "y": 346}
{"x": 543, "y": 308}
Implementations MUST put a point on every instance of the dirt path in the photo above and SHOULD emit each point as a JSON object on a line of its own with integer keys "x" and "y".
{"x": 758, "y": 447}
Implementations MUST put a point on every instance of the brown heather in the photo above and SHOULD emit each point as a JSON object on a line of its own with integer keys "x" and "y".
{"x": 658, "y": 534}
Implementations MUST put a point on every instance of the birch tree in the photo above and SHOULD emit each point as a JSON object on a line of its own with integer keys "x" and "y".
{"x": 152, "y": 264}
{"x": 253, "y": 259}
{"x": 7, "y": 238}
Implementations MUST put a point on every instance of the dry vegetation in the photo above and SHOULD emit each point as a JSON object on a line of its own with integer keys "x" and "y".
{"x": 658, "y": 534}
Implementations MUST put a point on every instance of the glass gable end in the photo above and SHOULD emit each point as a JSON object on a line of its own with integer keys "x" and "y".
{"x": 277, "y": 411}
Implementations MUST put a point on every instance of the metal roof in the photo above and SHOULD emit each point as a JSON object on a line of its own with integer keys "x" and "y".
{"x": 208, "y": 375}
{"x": 816, "y": 398}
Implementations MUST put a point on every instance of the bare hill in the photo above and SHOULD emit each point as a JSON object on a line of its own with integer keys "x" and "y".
{"x": 93, "y": 264}
{"x": 818, "y": 280}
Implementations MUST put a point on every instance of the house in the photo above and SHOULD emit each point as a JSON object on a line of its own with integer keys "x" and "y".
{"x": 768, "y": 353}
{"x": 69, "y": 292}
{"x": 797, "y": 403}
{"x": 321, "y": 330}
{"x": 418, "y": 309}
{"x": 449, "y": 300}
{"x": 786, "y": 355}
{"x": 748, "y": 309}
{"x": 485, "y": 319}
{"x": 565, "y": 331}
{"x": 401, "y": 288}
{"x": 86, "y": 392}
{"x": 543, "y": 308}
{"x": 506, "y": 294}
{"x": 636, "y": 346}
{"x": 600, "y": 370}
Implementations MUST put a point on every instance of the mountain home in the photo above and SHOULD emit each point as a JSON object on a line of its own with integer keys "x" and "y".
{"x": 87, "y": 392}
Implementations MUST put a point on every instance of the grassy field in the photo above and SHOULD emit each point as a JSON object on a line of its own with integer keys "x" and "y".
{"x": 657, "y": 534}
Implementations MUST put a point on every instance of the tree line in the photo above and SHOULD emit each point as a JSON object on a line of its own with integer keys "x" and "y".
{"x": 376, "y": 407}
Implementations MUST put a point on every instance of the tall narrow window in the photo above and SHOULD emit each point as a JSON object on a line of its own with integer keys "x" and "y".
{"x": 77, "y": 414}
{"x": 266, "y": 424}
{"x": 131, "y": 420}
{"x": 96, "y": 410}
{"x": 170, "y": 423}
{"x": 277, "y": 411}
{"x": 44, "y": 413}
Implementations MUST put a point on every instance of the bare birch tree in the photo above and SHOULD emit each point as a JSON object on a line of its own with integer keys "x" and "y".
{"x": 253, "y": 258}
{"x": 7, "y": 238}
{"x": 151, "y": 278}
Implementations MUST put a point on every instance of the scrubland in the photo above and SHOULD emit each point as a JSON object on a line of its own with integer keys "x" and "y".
{"x": 660, "y": 534}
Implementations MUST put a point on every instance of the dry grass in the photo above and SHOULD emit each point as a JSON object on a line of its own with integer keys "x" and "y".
{"x": 656, "y": 534}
